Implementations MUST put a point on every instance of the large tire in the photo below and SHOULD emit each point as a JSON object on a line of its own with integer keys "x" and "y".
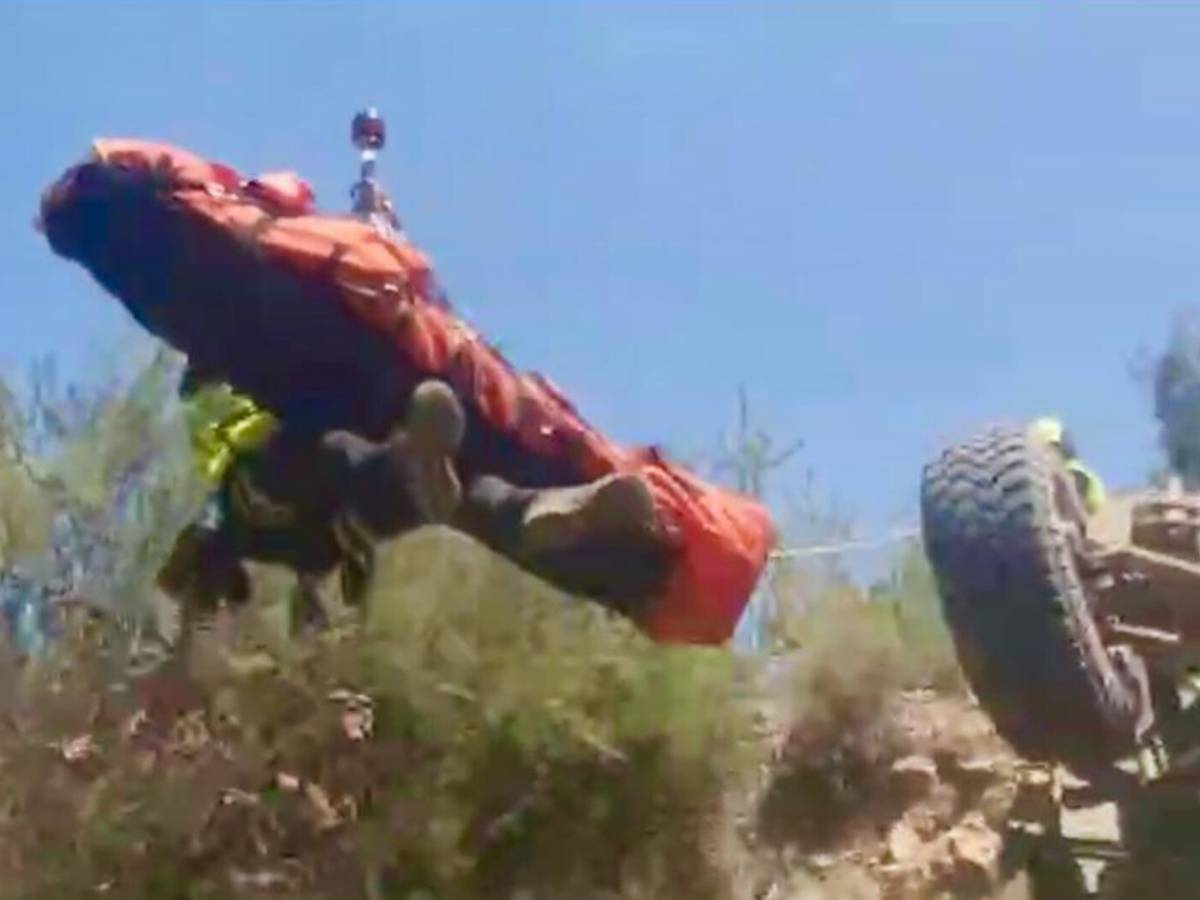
{"x": 1015, "y": 605}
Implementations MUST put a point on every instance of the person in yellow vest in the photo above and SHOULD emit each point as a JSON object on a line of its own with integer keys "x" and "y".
{"x": 311, "y": 502}
{"x": 222, "y": 425}
{"x": 1050, "y": 431}
{"x": 320, "y": 502}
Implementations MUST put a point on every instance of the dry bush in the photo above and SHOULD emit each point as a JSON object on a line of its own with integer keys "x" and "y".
{"x": 850, "y": 655}
{"x": 832, "y": 764}
{"x": 483, "y": 738}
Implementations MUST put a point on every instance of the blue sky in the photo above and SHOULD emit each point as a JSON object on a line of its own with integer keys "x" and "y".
{"x": 888, "y": 220}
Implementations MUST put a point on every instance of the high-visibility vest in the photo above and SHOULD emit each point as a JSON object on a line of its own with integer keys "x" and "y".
{"x": 1050, "y": 431}
{"x": 1092, "y": 488}
{"x": 239, "y": 426}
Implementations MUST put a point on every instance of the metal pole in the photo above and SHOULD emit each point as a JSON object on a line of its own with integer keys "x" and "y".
{"x": 370, "y": 202}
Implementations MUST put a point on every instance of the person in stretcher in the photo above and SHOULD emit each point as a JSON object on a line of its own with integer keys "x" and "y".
{"x": 359, "y": 406}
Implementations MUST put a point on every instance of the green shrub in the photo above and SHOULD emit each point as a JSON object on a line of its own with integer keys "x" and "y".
{"x": 850, "y": 655}
{"x": 518, "y": 741}
{"x": 473, "y": 734}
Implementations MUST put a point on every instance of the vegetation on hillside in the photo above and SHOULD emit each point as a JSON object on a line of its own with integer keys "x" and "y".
{"x": 474, "y": 735}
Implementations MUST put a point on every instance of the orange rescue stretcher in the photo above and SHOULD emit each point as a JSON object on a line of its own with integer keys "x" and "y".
{"x": 133, "y": 193}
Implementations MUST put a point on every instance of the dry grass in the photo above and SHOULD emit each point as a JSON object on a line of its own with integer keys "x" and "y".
{"x": 474, "y": 740}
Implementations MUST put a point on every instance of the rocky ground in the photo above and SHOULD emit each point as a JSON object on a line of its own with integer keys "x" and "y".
{"x": 951, "y": 813}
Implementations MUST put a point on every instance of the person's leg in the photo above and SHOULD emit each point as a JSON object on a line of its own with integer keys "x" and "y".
{"x": 309, "y": 550}
{"x": 356, "y": 548}
{"x": 383, "y": 489}
{"x": 617, "y": 507}
{"x": 204, "y": 568}
{"x": 599, "y": 540}
{"x": 291, "y": 503}
{"x": 528, "y": 521}
{"x": 428, "y": 446}
{"x": 407, "y": 481}
{"x": 283, "y": 504}
{"x": 202, "y": 571}
{"x": 308, "y": 612}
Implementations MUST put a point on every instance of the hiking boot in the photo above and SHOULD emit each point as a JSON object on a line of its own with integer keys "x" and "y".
{"x": 614, "y": 508}
{"x": 599, "y": 540}
{"x": 433, "y": 435}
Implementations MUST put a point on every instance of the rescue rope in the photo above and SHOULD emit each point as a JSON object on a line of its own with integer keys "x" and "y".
{"x": 894, "y": 537}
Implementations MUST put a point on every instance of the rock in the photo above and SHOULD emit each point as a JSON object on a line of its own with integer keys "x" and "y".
{"x": 904, "y": 844}
{"x": 973, "y": 855}
{"x": 1034, "y": 801}
{"x": 849, "y": 883}
{"x": 326, "y": 817}
{"x": 975, "y": 774}
{"x": 924, "y": 821}
{"x": 996, "y": 803}
{"x": 1100, "y": 823}
{"x": 914, "y": 776}
{"x": 822, "y": 862}
{"x": 944, "y": 805}
{"x": 901, "y": 882}
{"x": 974, "y": 843}
{"x": 79, "y": 749}
{"x": 904, "y": 869}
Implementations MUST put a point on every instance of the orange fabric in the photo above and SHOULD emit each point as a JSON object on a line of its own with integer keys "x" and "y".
{"x": 283, "y": 193}
{"x": 182, "y": 166}
{"x": 722, "y": 538}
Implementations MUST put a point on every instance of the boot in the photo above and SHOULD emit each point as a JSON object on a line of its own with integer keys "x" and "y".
{"x": 432, "y": 436}
{"x": 615, "y": 508}
{"x": 599, "y": 540}
{"x": 381, "y": 490}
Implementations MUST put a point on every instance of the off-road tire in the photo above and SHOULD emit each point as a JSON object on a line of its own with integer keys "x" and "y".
{"x": 1015, "y": 604}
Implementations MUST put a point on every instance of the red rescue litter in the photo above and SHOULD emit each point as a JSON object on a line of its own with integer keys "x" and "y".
{"x": 720, "y": 538}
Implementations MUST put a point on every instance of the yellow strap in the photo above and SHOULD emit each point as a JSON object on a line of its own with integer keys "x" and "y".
{"x": 244, "y": 428}
{"x": 250, "y": 431}
{"x": 215, "y": 463}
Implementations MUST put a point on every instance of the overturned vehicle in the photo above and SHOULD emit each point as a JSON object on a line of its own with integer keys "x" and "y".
{"x": 1076, "y": 616}
{"x": 386, "y": 410}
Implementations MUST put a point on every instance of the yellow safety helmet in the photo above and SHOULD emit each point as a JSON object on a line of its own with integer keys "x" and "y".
{"x": 1048, "y": 430}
